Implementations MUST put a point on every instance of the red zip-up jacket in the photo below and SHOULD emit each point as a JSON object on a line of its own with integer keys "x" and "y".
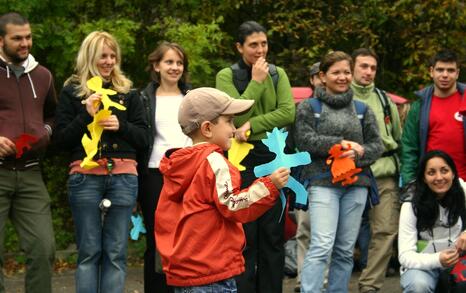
{"x": 198, "y": 220}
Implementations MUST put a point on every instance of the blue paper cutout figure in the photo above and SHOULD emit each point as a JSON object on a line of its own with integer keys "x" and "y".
{"x": 275, "y": 141}
{"x": 138, "y": 227}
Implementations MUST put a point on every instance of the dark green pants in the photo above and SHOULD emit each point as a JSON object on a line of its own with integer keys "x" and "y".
{"x": 24, "y": 198}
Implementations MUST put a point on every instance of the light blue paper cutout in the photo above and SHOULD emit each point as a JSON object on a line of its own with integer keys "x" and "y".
{"x": 275, "y": 141}
{"x": 138, "y": 227}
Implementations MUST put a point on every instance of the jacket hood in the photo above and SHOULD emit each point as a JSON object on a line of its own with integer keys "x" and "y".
{"x": 179, "y": 166}
{"x": 429, "y": 90}
{"x": 29, "y": 64}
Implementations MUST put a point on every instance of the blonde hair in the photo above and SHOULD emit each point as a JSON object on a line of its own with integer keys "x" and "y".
{"x": 403, "y": 110}
{"x": 86, "y": 64}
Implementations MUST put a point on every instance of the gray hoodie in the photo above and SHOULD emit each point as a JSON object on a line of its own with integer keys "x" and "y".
{"x": 338, "y": 120}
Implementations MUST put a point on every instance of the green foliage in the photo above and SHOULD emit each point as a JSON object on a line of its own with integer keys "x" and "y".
{"x": 404, "y": 33}
{"x": 200, "y": 41}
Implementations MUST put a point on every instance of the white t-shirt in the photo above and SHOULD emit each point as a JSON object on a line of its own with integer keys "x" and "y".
{"x": 168, "y": 131}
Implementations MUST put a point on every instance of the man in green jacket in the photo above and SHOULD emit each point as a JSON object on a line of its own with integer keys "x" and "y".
{"x": 253, "y": 78}
{"x": 383, "y": 218}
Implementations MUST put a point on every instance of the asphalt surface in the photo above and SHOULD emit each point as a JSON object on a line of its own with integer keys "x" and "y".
{"x": 64, "y": 283}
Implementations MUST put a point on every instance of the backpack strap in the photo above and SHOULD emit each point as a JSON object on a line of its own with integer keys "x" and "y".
{"x": 241, "y": 80}
{"x": 361, "y": 109}
{"x": 316, "y": 106}
{"x": 274, "y": 75}
{"x": 387, "y": 113}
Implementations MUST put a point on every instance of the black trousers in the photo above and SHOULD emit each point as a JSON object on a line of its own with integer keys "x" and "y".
{"x": 264, "y": 252}
{"x": 150, "y": 186}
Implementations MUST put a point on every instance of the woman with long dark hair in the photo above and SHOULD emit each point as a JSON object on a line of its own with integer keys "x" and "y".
{"x": 431, "y": 233}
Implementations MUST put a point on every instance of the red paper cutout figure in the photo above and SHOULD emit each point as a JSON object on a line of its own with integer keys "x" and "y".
{"x": 23, "y": 143}
{"x": 459, "y": 270}
{"x": 342, "y": 169}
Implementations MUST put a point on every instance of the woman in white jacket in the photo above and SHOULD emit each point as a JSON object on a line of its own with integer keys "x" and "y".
{"x": 431, "y": 232}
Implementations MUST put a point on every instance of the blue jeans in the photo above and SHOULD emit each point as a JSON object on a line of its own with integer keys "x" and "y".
{"x": 102, "y": 247}
{"x": 335, "y": 219}
{"x": 419, "y": 281}
{"x": 225, "y": 286}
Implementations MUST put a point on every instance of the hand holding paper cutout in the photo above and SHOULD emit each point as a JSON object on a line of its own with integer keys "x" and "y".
{"x": 276, "y": 141}
{"x": 343, "y": 168}
{"x": 96, "y": 127}
{"x": 7, "y": 147}
{"x": 238, "y": 151}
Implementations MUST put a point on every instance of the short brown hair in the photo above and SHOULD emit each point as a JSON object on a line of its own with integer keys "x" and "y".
{"x": 333, "y": 57}
{"x": 364, "y": 52}
{"x": 11, "y": 18}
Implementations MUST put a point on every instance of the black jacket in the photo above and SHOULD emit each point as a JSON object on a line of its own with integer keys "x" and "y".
{"x": 72, "y": 120}
{"x": 148, "y": 98}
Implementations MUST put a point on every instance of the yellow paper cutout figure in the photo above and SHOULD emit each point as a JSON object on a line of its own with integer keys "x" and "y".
{"x": 238, "y": 151}
{"x": 91, "y": 144}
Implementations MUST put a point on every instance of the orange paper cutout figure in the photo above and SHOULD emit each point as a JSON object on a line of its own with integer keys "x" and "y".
{"x": 343, "y": 169}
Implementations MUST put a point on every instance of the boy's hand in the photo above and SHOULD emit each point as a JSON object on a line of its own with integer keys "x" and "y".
{"x": 280, "y": 177}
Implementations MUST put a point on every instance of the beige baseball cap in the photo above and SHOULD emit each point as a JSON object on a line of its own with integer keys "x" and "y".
{"x": 206, "y": 104}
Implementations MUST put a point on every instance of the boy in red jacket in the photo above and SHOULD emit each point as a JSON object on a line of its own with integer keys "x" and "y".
{"x": 201, "y": 208}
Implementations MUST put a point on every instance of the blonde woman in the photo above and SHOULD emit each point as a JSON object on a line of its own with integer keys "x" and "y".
{"x": 101, "y": 234}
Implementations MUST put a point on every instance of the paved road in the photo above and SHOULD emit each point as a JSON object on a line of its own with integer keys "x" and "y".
{"x": 64, "y": 283}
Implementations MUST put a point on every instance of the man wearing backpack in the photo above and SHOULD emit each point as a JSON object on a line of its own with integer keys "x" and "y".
{"x": 383, "y": 218}
{"x": 253, "y": 78}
